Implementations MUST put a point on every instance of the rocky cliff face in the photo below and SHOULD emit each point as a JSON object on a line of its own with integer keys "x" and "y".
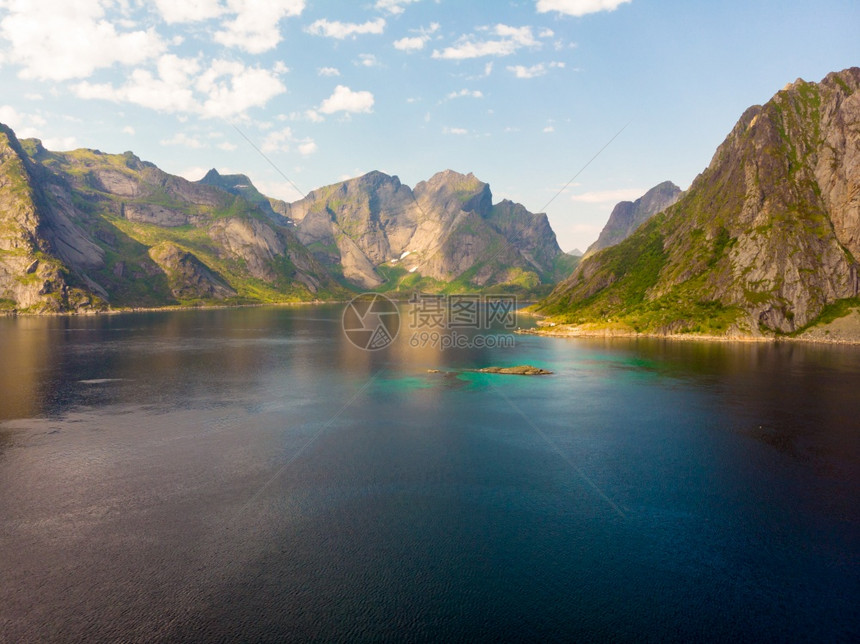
{"x": 627, "y": 216}
{"x": 385, "y": 235}
{"x": 34, "y": 240}
{"x": 765, "y": 239}
{"x": 84, "y": 230}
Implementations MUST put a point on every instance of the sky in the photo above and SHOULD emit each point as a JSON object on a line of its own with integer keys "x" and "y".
{"x": 566, "y": 106}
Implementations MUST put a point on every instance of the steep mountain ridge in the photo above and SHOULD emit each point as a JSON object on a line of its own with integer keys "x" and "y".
{"x": 627, "y": 216}
{"x": 765, "y": 241}
{"x": 32, "y": 273}
{"x": 98, "y": 230}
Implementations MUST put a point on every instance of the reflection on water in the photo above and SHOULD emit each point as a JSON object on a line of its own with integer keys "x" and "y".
{"x": 249, "y": 474}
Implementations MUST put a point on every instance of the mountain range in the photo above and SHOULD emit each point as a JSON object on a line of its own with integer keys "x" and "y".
{"x": 85, "y": 230}
{"x": 764, "y": 242}
{"x": 381, "y": 234}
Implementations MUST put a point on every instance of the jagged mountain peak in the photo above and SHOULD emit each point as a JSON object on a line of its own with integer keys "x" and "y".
{"x": 215, "y": 178}
{"x": 453, "y": 180}
{"x": 457, "y": 192}
{"x": 375, "y": 229}
{"x": 374, "y": 179}
{"x": 766, "y": 237}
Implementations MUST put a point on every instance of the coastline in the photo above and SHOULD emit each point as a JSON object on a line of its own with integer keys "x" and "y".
{"x": 156, "y": 309}
{"x": 396, "y": 297}
{"x": 583, "y": 331}
{"x": 847, "y": 328}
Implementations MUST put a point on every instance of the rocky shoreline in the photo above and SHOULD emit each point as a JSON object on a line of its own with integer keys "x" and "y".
{"x": 840, "y": 331}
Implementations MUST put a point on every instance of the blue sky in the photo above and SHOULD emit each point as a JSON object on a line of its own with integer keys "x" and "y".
{"x": 522, "y": 93}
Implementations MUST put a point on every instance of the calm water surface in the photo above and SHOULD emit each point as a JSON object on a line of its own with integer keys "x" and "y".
{"x": 249, "y": 475}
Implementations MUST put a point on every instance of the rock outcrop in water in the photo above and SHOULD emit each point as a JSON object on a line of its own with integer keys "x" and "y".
{"x": 766, "y": 240}
{"x": 519, "y": 370}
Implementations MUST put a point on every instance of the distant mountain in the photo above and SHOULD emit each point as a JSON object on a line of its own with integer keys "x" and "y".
{"x": 85, "y": 230}
{"x": 575, "y": 252}
{"x": 446, "y": 234}
{"x": 627, "y": 216}
{"x": 766, "y": 240}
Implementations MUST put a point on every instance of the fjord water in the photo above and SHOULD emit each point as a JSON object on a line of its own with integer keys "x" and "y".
{"x": 249, "y": 475}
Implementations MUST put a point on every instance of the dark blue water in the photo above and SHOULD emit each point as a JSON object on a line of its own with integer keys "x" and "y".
{"x": 250, "y": 475}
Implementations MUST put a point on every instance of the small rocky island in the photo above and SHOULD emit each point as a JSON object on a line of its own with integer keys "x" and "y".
{"x": 520, "y": 370}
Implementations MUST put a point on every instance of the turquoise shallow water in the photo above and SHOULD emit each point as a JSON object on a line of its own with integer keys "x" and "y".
{"x": 249, "y": 474}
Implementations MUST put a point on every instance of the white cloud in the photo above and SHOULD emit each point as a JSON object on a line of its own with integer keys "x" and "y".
{"x": 29, "y": 126}
{"x": 65, "y": 40}
{"x": 521, "y": 71}
{"x": 226, "y": 146}
{"x": 367, "y": 60}
{"x": 307, "y": 147}
{"x": 414, "y": 43}
{"x": 549, "y": 129}
{"x": 128, "y": 130}
{"x": 609, "y": 196}
{"x": 182, "y": 85}
{"x": 278, "y": 141}
{"x": 520, "y": 35}
{"x": 455, "y": 130}
{"x": 313, "y": 116}
{"x": 169, "y": 91}
{"x": 26, "y": 126}
{"x": 174, "y": 11}
{"x": 231, "y": 88}
{"x": 508, "y": 40}
{"x": 282, "y": 140}
{"x": 182, "y": 139}
{"x": 343, "y": 99}
{"x": 255, "y": 27}
{"x": 465, "y": 93}
{"x": 252, "y": 25}
{"x": 194, "y": 173}
{"x": 393, "y": 6}
{"x": 328, "y": 71}
{"x": 341, "y": 30}
{"x": 578, "y": 7}
{"x": 278, "y": 189}
{"x": 60, "y": 143}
